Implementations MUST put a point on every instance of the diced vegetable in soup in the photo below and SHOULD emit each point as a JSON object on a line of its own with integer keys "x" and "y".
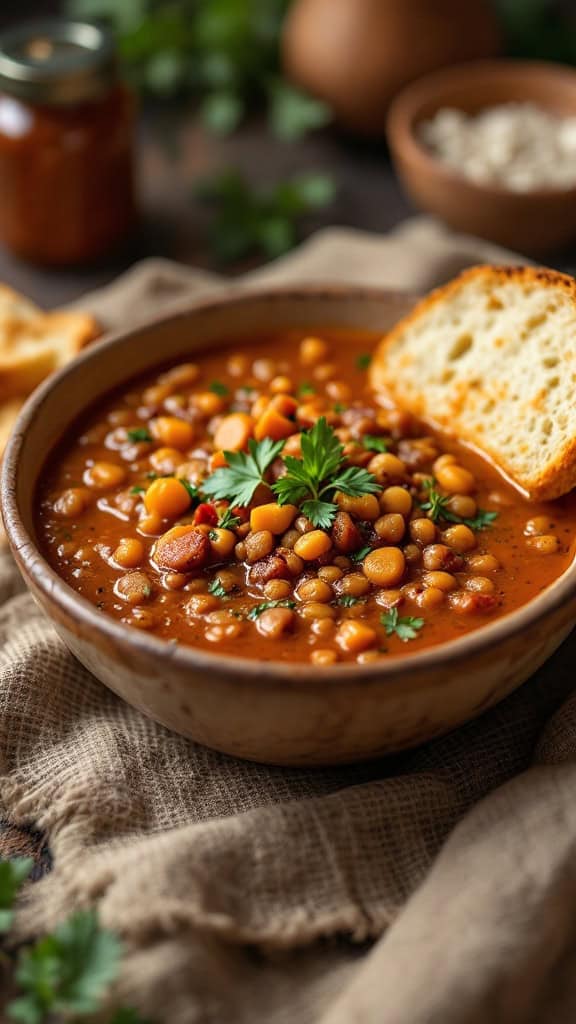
{"x": 259, "y": 501}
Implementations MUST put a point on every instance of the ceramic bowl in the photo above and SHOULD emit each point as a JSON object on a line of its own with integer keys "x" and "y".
{"x": 287, "y": 714}
{"x": 529, "y": 222}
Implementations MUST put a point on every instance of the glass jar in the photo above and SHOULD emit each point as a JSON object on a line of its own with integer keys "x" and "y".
{"x": 66, "y": 143}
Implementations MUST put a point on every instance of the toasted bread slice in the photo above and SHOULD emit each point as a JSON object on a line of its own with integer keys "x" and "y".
{"x": 33, "y": 343}
{"x": 491, "y": 358}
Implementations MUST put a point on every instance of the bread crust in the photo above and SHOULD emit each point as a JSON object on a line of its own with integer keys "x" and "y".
{"x": 559, "y": 474}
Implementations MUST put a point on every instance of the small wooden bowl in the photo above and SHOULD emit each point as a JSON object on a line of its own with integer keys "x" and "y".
{"x": 281, "y": 713}
{"x": 531, "y": 222}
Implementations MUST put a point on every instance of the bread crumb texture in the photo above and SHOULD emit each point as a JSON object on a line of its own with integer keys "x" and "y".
{"x": 491, "y": 358}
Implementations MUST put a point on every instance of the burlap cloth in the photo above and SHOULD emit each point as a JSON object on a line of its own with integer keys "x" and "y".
{"x": 253, "y": 895}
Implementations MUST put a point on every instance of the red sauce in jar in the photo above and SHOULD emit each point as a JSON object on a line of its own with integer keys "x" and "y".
{"x": 66, "y": 134}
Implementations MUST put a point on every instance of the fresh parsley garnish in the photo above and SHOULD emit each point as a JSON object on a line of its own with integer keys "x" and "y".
{"x": 13, "y": 873}
{"x": 360, "y": 555}
{"x": 238, "y": 481}
{"x": 218, "y": 388}
{"x": 192, "y": 490}
{"x": 339, "y": 407}
{"x": 405, "y": 627}
{"x": 376, "y": 444}
{"x": 305, "y": 389}
{"x": 481, "y": 520}
{"x": 137, "y": 490}
{"x": 215, "y": 587}
{"x": 151, "y": 475}
{"x": 139, "y": 434}
{"x": 67, "y": 972}
{"x": 257, "y": 610}
{"x": 228, "y": 521}
{"x": 314, "y": 479}
{"x": 363, "y": 361}
{"x": 437, "y": 508}
{"x": 248, "y": 220}
{"x": 348, "y": 600}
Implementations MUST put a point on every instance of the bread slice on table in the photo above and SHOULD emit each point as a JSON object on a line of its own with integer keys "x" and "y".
{"x": 34, "y": 343}
{"x": 491, "y": 358}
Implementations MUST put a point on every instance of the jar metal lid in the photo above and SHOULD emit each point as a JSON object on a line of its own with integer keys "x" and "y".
{"x": 57, "y": 62}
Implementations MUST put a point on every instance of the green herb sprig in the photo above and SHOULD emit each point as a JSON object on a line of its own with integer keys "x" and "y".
{"x": 260, "y": 221}
{"x": 225, "y": 53}
{"x": 405, "y": 627}
{"x": 139, "y": 434}
{"x": 258, "y": 609}
{"x": 66, "y": 974}
{"x": 372, "y": 443}
{"x": 228, "y": 521}
{"x": 215, "y": 587}
{"x": 436, "y": 507}
{"x": 237, "y": 482}
{"x": 313, "y": 480}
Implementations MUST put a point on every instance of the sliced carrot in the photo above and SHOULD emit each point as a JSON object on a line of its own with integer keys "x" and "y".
{"x": 284, "y": 404}
{"x": 293, "y": 446}
{"x": 234, "y": 432}
{"x": 259, "y": 407}
{"x": 217, "y": 460}
{"x": 272, "y": 424}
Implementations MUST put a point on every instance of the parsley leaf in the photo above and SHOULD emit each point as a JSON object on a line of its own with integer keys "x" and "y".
{"x": 215, "y": 587}
{"x": 306, "y": 388}
{"x": 66, "y": 972}
{"x": 257, "y": 610}
{"x": 237, "y": 481}
{"x": 218, "y": 388}
{"x": 315, "y": 478}
{"x": 348, "y": 600}
{"x": 228, "y": 521}
{"x": 339, "y": 407}
{"x": 481, "y": 520}
{"x": 406, "y": 627}
{"x": 437, "y": 508}
{"x": 12, "y": 874}
{"x": 264, "y": 220}
{"x": 360, "y": 555}
{"x": 363, "y": 361}
{"x": 137, "y": 490}
{"x": 139, "y": 434}
{"x": 193, "y": 492}
{"x": 127, "y": 1015}
{"x": 376, "y": 444}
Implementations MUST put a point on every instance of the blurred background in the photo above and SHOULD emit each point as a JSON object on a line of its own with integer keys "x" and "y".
{"x": 261, "y": 120}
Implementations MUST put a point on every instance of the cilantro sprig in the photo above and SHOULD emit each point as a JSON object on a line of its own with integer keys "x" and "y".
{"x": 215, "y": 587}
{"x": 258, "y": 609}
{"x": 372, "y": 443}
{"x": 405, "y": 627}
{"x": 313, "y": 480}
{"x": 13, "y": 873}
{"x": 139, "y": 434}
{"x": 228, "y": 521}
{"x": 66, "y": 974}
{"x": 436, "y": 507}
{"x": 245, "y": 471}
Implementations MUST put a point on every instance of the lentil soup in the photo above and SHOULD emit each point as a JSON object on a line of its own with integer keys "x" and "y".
{"x": 261, "y": 502}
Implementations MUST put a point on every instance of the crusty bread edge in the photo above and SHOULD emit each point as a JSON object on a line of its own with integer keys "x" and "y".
{"x": 560, "y": 475}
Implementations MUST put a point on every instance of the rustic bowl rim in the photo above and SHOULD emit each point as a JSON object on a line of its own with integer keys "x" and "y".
{"x": 58, "y": 594}
{"x": 404, "y": 110}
